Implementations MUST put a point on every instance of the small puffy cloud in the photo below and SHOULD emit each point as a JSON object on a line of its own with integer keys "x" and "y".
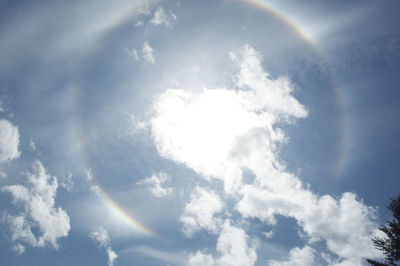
{"x": 88, "y": 174}
{"x": 139, "y": 23}
{"x": 67, "y": 183}
{"x": 147, "y": 53}
{"x": 162, "y": 17}
{"x": 154, "y": 184}
{"x": 233, "y": 249}
{"x": 269, "y": 234}
{"x": 40, "y": 223}
{"x": 32, "y": 144}
{"x": 200, "y": 212}
{"x": 304, "y": 256}
{"x": 9, "y": 141}
{"x": 100, "y": 235}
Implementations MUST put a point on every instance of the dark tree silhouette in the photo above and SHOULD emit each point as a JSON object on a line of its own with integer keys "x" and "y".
{"x": 390, "y": 244}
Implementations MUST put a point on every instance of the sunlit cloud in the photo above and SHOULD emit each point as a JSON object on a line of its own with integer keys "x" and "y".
{"x": 9, "y": 141}
{"x": 219, "y": 132}
{"x": 100, "y": 235}
{"x": 40, "y": 223}
{"x": 154, "y": 184}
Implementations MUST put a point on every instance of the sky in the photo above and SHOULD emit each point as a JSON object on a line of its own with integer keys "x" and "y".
{"x": 200, "y": 133}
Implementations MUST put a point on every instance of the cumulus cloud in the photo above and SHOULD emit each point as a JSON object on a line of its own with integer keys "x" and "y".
{"x": 40, "y": 223}
{"x": 100, "y": 235}
{"x": 200, "y": 212}
{"x": 9, "y": 141}
{"x": 219, "y": 132}
{"x": 214, "y": 132}
{"x": 154, "y": 184}
{"x": 147, "y": 53}
{"x": 162, "y": 17}
{"x": 304, "y": 256}
{"x": 233, "y": 249}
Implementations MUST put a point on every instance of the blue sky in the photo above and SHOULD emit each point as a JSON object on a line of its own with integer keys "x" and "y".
{"x": 219, "y": 132}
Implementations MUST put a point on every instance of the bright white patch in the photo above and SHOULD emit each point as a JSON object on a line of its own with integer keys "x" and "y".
{"x": 39, "y": 212}
{"x": 100, "y": 235}
{"x": 154, "y": 184}
{"x": 161, "y": 17}
{"x": 147, "y": 53}
{"x": 208, "y": 132}
{"x": 219, "y": 132}
{"x": 9, "y": 141}
{"x": 199, "y": 213}
{"x": 232, "y": 247}
{"x": 304, "y": 256}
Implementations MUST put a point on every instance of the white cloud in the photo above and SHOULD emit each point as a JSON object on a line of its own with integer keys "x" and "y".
{"x": 213, "y": 132}
{"x": 154, "y": 184}
{"x": 32, "y": 143}
{"x": 219, "y": 132}
{"x": 147, "y": 53}
{"x": 232, "y": 247}
{"x": 100, "y": 235}
{"x": 161, "y": 17}
{"x": 346, "y": 225}
{"x": 67, "y": 183}
{"x": 39, "y": 213}
{"x": 9, "y": 141}
{"x": 269, "y": 234}
{"x": 139, "y": 23}
{"x": 200, "y": 259}
{"x": 200, "y": 212}
{"x": 304, "y": 256}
